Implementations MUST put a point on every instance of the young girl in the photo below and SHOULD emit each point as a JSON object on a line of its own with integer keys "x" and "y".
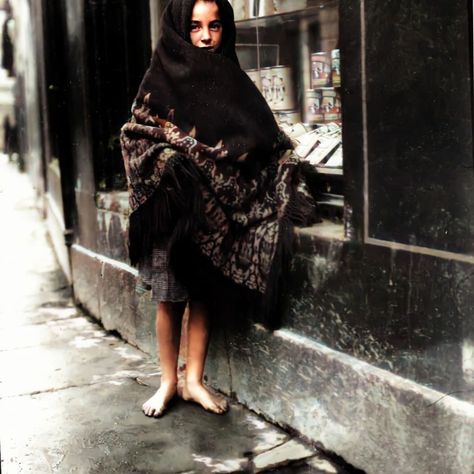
{"x": 214, "y": 188}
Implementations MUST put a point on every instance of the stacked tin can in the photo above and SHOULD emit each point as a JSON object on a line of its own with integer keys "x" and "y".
{"x": 277, "y": 88}
{"x": 323, "y": 100}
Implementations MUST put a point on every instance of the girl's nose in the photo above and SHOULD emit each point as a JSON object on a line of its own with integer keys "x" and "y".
{"x": 205, "y": 37}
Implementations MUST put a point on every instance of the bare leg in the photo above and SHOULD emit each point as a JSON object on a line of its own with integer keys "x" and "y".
{"x": 198, "y": 338}
{"x": 168, "y": 331}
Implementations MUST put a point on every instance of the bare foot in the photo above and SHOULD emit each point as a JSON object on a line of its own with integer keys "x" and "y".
{"x": 199, "y": 393}
{"x": 156, "y": 405}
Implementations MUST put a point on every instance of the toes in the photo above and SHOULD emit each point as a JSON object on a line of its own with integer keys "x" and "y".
{"x": 224, "y": 406}
{"x": 205, "y": 397}
{"x": 217, "y": 408}
{"x": 148, "y": 409}
{"x": 221, "y": 405}
{"x": 153, "y": 410}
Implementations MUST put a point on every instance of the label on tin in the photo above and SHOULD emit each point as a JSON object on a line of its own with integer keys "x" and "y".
{"x": 336, "y": 67}
{"x": 266, "y": 81}
{"x": 331, "y": 105}
{"x": 314, "y": 112}
{"x": 282, "y": 88}
{"x": 320, "y": 70}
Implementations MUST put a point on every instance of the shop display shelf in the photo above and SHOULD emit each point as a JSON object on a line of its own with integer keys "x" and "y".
{"x": 283, "y": 17}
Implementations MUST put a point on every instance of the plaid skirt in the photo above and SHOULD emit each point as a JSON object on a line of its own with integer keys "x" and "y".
{"x": 156, "y": 274}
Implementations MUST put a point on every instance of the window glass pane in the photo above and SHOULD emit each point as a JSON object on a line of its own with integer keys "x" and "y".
{"x": 290, "y": 50}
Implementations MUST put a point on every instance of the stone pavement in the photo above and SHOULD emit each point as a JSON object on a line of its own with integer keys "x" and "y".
{"x": 71, "y": 392}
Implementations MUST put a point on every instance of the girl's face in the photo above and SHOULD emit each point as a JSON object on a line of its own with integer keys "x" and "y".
{"x": 206, "y": 26}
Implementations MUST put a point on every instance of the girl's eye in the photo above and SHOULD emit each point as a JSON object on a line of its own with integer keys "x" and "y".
{"x": 215, "y": 26}
{"x": 194, "y": 26}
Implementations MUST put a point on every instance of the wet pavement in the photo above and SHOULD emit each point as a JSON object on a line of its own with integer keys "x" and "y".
{"x": 71, "y": 392}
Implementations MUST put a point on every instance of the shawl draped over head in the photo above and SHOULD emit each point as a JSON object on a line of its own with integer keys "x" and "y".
{"x": 208, "y": 168}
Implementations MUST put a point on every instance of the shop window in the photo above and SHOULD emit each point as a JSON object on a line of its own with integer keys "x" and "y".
{"x": 290, "y": 50}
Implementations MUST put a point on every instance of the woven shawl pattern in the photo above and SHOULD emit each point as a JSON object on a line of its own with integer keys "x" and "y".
{"x": 222, "y": 179}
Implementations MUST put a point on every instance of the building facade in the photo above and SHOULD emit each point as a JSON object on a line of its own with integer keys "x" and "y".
{"x": 375, "y": 359}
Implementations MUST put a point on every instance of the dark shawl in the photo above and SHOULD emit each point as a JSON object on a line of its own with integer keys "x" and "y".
{"x": 209, "y": 169}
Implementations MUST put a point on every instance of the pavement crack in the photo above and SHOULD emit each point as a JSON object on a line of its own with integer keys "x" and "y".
{"x": 59, "y": 389}
{"x": 281, "y": 443}
{"x": 49, "y": 390}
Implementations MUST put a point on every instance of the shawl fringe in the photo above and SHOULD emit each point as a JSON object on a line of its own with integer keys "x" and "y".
{"x": 173, "y": 212}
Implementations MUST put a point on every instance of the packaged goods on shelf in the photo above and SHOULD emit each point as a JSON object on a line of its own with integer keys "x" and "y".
{"x": 335, "y": 160}
{"x": 323, "y": 105}
{"x": 306, "y": 143}
{"x": 282, "y": 88}
{"x": 277, "y": 87}
{"x": 325, "y": 69}
{"x": 320, "y": 69}
{"x": 329, "y": 129}
{"x": 335, "y": 68}
{"x": 287, "y": 117}
{"x": 302, "y": 88}
{"x": 330, "y": 105}
{"x": 294, "y": 131}
{"x": 313, "y": 111}
{"x": 322, "y": 146}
